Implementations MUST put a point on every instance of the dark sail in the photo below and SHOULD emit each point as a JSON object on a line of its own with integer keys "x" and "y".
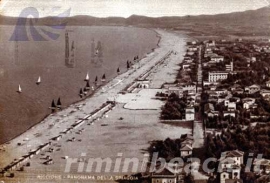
{"x": 59, "y": 104}
{"x": 118, "y": 70}
{"x": 53, "y": 106}
{"x": 81, "y": 93}
{"x": 85, "y": 91}
{"x": 128, "y": 65}
{"x": 87, "y": 85}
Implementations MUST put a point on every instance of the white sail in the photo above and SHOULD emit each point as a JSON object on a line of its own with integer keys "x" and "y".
{"x": 19, "y": 89}
{"x": 87, "y": 77}
{"x": 39, "y": 80}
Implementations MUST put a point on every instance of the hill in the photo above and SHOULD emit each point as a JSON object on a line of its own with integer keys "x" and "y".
{"x": 248, "y": 23}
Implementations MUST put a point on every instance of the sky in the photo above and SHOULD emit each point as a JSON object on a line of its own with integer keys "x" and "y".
{"x": 126, "y": 8}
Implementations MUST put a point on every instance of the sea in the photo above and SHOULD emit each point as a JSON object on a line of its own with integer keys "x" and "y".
{"x": 92, "y": 50}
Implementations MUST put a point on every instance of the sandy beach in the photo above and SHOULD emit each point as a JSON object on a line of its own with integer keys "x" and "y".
{"x": 127, "y": 128}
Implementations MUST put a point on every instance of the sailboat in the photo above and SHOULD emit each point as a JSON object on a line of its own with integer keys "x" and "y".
{"x": 59, "y": 104}
{"x": 81, "y": 93}
{"x": 96, "y": 52}
{"x": 38, "y": 81}
{"x": 85, "y": 91}
{"x": 19, "y": 89}
{"x": 103, "y": 78}
{"x": 87, "y": 86}
{"x": 96, "y": 80}
{"x": 118, "y": 71}
{"x": 53, "y": 106}
{"x": 87, "y": 77}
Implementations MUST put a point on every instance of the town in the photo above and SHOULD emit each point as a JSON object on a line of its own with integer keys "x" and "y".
{"x": 224, "y": 86}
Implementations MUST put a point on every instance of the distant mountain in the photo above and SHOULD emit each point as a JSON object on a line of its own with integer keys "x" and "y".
{"x": 251, "y": 22}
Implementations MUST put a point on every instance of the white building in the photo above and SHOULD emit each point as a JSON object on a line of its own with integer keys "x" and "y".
{"x": 217, "y": 76}
{"x": 177, "y": 90}
{"x": 190, "y": 113}
{"x": 252, "y": 89}
{"x": 230, "y": 165}
{"x": 229, "y": 67}
{"x": 143, "y": 83}
{"x": 217, "y": 59}
{"x": 231, "y": 106}
{"x": 267, "y": 84}
{"x": 261, "y": 165}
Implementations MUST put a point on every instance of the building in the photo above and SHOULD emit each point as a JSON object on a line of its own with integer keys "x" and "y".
{"x": 192, "y": 48}
{"x": 217, "y": 59}
{"x": 186, "y": 145}
{"x": 190, "y": 114}
{"x": 209, "y": 107}
{"x": 217, "y": 76}
{"x": 186, "y": 150}
{"x": 231, "y": 106}
{"x": 267, "y": 84}
{"x": 167, "y": 175}
{"x": 190, "y": 88}
{"x": 213, "y": 114}
{"x": 252, "y": 89}
{"x": 265, "y": 93}
{"x": 229, "y": 67}
{"x": 143, "y": 83}
{"x": 230, "y": 166}
{"x": 229, "y": 113}
{"x": 185, "y": 66}
{"x": 236, "y": 155}
{"x": 261, "y": 165}
{"x": 177, "y": 90}
{"x": 238, "y": 91}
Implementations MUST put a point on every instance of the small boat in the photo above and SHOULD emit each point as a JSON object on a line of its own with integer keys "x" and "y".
{"x": 19, "y": 89}
{"x": 118, "y": 71}
{"x": 87, "y": 77}
{"x": 81, "y": 93}
{"x": 103, "y": 78}
{"x": 38, "y": 81}
{"x": 96, "y": 52}
{"x": 87, "y": 86}
{"x": 53, "y": 106}
{"x": 59, "y": 104}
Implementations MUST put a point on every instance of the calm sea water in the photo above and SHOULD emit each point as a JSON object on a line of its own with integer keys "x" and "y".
{"x": 23, "y": 62}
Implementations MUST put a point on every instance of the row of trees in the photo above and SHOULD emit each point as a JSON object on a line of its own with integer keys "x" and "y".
{"x": 174, "y": 108}
{"x": 254, "y": 140}
{"x": 167, "y": 149}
